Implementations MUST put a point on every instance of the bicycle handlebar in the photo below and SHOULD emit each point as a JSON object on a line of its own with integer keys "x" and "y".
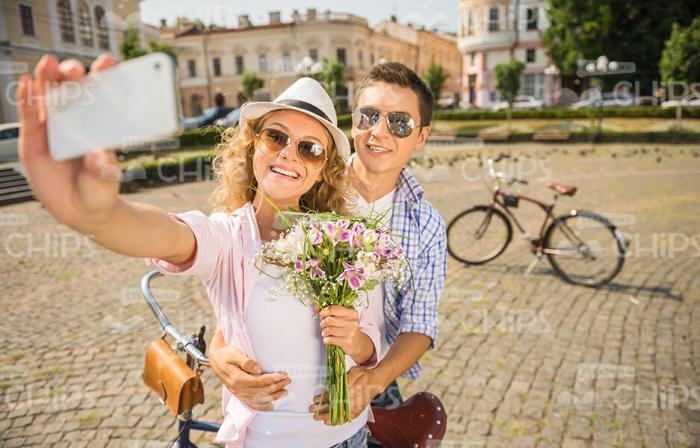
{"x": 182, "y": 342}
{"x": 498, "y": 174}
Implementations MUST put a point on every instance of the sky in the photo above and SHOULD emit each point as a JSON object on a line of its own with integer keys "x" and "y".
{"x": 440, "y": 14}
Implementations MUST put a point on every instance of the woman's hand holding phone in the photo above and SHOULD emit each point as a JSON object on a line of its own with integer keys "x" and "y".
{"x": 78, "y": 192}
{"x": 83, "y": 192}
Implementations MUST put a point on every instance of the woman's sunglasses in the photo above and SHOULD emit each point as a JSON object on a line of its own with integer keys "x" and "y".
{"x": 400, "y": 124}
{"x": 311, "y": 154}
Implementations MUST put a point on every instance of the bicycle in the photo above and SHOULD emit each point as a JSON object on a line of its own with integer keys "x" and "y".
{"x": 420, "y": 421}
{"x": 583, "y": 247}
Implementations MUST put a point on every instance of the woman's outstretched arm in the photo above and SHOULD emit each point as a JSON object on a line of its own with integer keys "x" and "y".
{"x": 83, "y": 193}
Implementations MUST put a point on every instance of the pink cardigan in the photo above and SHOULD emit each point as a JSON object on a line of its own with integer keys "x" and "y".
{"x": 225, "y": 262}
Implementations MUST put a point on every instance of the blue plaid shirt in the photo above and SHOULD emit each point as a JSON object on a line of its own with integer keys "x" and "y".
{"x": 414, "y": 307}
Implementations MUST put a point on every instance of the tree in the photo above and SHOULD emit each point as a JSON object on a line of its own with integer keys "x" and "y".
{"x": 250, "y": 83}
{"x": 130, "y": 46}
{"x": 576, "y": 31}
{"x": 508, "y": 81}
{"x": 680, "y": 60}
{"x": 622, "y": 30}
{"x": 186, "y": 21}
{"x": 331, "y": 78}
{"x": 435, "y": 77}
{"x": 163, "y": 47}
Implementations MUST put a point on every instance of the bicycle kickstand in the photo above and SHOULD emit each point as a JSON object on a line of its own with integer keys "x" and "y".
{"x": 532, "y": 265}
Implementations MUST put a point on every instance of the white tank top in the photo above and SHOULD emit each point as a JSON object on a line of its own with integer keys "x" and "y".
{"x": 286, "y": 337}
{"x": 381, "y": 207}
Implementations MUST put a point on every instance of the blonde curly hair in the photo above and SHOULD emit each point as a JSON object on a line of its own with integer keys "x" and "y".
{"x": 232, "y": 166}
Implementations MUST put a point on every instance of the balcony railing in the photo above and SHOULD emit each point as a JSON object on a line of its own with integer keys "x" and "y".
{"x": 486, "y": 40}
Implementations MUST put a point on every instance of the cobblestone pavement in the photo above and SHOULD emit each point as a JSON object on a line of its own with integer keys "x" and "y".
{"x": 520, "y": 361}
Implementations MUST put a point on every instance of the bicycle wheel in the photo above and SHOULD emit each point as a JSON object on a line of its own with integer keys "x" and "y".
{"x": 584, "y": 248}
{"x": 478, "y": 235}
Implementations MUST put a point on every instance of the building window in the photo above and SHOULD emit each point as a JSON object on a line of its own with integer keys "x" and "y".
{"x": 286, "y": 62}
{"x": 217, "y": 67}
{"x": 472, "y": 59}
{"x": 531, "y": 16}
{"x": 65, "y": 17}
{"x": 26, "y": 19}
{"x": 262, "y": 63}
{"x": 360, "y": 59}
{"x": 470, "y": 22}
{"x": 192, "y": 68}
{"x": 196, "y": 104}
{"x": 101, "y": 23}
{"x": 84, "y": 25}
{"x": 494, "y": 19}
{"x": 532, "y": 85}
{"x": 340, "y": 55}
{"x": 530, "y": 55}
{"x": 313, "y": 54}
{"x": 239, "y": 65}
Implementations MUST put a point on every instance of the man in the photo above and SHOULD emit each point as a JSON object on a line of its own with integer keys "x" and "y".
{"x": 391, "y": 119}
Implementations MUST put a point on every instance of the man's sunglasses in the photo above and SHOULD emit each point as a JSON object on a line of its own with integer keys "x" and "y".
{"x": 311, "y": 154}
{"x": 400, "y": 124}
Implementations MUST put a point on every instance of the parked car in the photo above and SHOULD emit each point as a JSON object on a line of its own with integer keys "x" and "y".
{"x": 692, "y": 100}
{"x": 207, "y": 118}
{"x": 521, "y": 102}
{"x": 608, "y": 99}
{"x": 448, "y": 101}
{"x": 9, "y": 142}
{"x": 229, "y": 120}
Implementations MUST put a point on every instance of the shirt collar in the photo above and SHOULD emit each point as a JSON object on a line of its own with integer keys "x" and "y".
{"x": 407, "y": 187}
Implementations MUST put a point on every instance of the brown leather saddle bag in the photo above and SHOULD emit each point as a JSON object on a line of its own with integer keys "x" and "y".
{"x": 171, "y": 379}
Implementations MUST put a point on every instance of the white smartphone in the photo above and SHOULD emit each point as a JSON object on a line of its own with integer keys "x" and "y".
{"x": 133, "y": 104}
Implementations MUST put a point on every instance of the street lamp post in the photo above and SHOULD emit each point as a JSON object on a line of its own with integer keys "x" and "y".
{"x": 307, "y": 67}
{"x": 600, "y": 67}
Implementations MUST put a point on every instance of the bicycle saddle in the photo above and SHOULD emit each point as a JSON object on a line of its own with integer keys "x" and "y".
{"x": 419, "y": 422}
{"x": 568, "y": 190}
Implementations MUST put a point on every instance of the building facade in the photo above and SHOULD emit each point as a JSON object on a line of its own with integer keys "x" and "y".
{"x": 212, "y": 62}
{"x": 489, "y": 33}
{"x": 429, "y": 46}
{"x": 79, "y": 29}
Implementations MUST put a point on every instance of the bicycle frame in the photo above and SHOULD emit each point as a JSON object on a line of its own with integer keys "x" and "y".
{"x": 498, "y": 199}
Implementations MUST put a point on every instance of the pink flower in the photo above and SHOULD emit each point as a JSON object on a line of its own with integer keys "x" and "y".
{"x": 384, "y": 247}
{"x": 354, "y": 276}
{"x": 357, "y": 237}
{"x": 312, "y": 267}
{"x": 338, "y": 231}
{"x": 315, "y": 234}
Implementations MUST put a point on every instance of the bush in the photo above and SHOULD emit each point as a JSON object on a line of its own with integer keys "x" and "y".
{"x": 345, "y": 121}
{"x": 609, "y": 112}
{"x": 673, "y": 137}
{"x": 208, "y": 136}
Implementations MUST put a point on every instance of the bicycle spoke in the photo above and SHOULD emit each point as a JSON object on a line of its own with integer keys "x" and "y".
{"x": 584, "y": 249}
{"x": 478, "y": 235}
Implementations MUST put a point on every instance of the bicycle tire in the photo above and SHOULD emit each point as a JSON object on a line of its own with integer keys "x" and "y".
{"x": 452, "y": 244}
{"x": 549, "y": 247}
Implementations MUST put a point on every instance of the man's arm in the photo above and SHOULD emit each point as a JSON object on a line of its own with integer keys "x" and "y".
{"x": 403, "y": 353}
{"x": 243, "y": 376}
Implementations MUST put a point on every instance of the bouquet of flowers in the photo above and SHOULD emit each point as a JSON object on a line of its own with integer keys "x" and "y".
{"x": 330, "y": 260}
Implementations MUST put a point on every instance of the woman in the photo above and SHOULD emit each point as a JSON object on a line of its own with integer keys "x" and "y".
{"x": 288, "y": 153}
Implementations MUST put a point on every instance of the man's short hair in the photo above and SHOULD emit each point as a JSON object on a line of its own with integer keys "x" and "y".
{"x": 400, "y": 75}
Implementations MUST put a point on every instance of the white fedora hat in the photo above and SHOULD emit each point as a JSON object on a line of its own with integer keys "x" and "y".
{"x": 306, "y": 95}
